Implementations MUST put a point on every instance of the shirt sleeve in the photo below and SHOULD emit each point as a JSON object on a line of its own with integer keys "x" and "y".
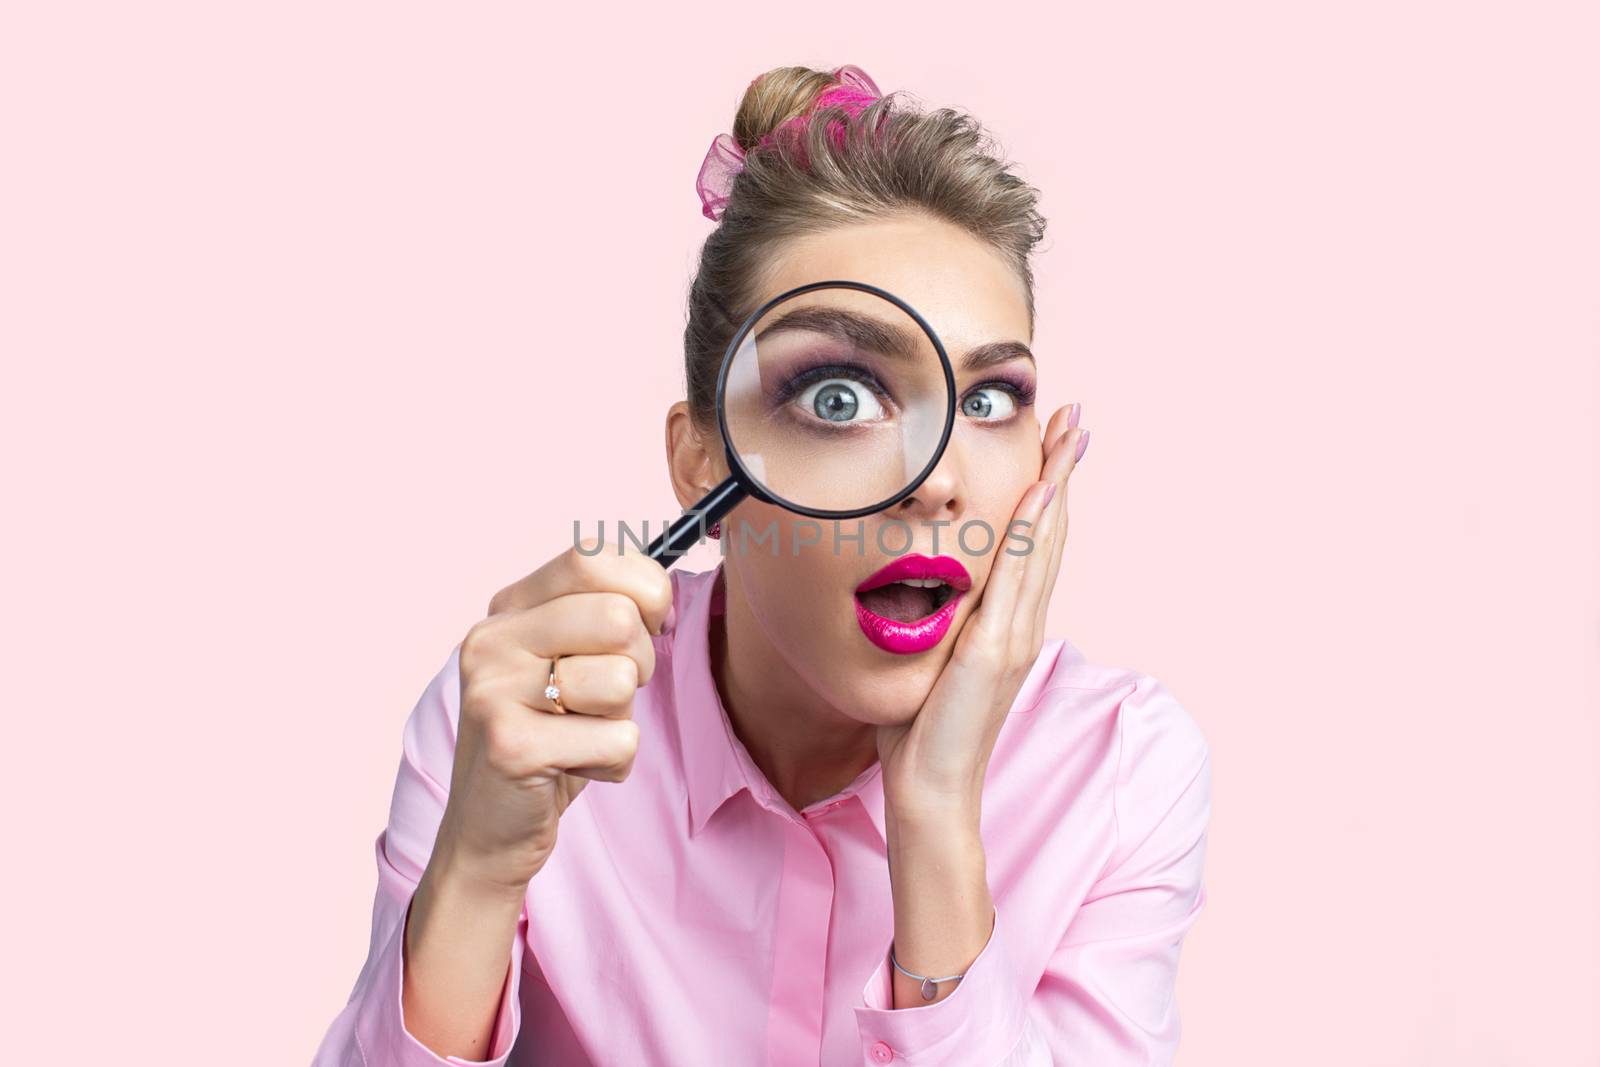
{"x": 371, "y": 1031}
{"x": 1106, "y": 996}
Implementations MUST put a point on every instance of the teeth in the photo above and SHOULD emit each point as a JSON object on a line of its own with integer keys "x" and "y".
{"x": 922, "y": 583}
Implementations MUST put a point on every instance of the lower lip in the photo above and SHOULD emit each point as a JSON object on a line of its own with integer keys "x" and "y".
{"x": 904, "y": 638}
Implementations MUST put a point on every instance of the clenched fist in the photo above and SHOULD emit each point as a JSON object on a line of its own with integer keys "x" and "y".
{"x": 521, "y": 759}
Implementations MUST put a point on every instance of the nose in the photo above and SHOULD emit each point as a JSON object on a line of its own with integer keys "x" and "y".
{"x": 942, "y": 495}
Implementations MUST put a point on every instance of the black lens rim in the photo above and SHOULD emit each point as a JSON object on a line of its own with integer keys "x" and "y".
{"x": 752, "y": 485}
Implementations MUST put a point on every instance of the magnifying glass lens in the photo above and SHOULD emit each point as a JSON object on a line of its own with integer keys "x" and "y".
{"x": 836, "y": 400}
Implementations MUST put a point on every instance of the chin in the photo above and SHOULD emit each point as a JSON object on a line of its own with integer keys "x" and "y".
{"x": 850, "y": 674}
{"x": 887, "y": 690}
{"x": 874, "y": 659}
{"x": 860, "y": 681}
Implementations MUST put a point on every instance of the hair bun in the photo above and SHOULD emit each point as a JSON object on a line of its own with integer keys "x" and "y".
{"x": 784, "y": 94}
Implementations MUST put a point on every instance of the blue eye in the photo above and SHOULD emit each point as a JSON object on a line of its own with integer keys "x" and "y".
{"x": 840, "y": 400}
{"x": 990, "y": 403}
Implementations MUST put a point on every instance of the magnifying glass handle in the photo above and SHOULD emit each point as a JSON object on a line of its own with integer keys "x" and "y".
{"x": 686, "y": 530}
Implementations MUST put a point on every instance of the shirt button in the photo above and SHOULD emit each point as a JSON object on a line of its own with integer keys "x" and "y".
{"x": 881, "y": 1053}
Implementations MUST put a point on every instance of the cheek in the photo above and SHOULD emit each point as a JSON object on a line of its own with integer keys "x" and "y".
{"x": 1009, "y": 462}
{"x": 788, "y": 561}
{"x": 801, "y": 597}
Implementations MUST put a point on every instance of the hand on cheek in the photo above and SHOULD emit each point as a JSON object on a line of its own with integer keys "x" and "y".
{"x": 938, "y": 761}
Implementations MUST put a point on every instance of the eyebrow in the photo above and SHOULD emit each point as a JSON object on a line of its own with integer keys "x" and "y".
{"x": 869, "y": 332}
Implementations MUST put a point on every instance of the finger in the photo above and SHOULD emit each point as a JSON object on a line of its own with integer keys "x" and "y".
{"x": 1056, "y": 516}
{"x": 1053, "y": 430}
{"x": 602, "y": 685}
{"x": 587, "y": 746}
{"x": 595, "y": 748}
{"x": 594, "y": 567}
{"x": 1058, "y": 460}
{"x": 1037, "y": 574}
{"x": 589, "y": 685}
{"x": 571, "y": 625}
{"x": 995, "y": 610}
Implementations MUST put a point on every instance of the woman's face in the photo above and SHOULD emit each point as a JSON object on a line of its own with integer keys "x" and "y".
{"x": 861, "y": 650}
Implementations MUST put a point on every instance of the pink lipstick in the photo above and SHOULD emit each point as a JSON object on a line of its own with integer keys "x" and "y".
{"x": 908, "y": 606}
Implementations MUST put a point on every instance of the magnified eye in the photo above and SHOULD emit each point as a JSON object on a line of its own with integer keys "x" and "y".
{"x": 989, "y": 403}
{"x": 840, "y": 400}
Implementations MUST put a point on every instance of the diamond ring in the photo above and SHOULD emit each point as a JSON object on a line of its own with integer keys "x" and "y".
{"x": 552, "y": 690}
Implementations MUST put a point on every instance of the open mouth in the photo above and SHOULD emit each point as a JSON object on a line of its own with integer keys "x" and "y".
{"x": 908, "y": 605}
{"x": 908, "y": 599}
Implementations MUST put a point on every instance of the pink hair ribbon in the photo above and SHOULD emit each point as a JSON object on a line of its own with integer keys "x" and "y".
{"x": 725, "y": 159}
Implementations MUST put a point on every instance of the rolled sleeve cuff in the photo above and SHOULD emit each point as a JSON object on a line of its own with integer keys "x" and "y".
{"x": 979, "y": 1023}
{"x": 380, "y": 1024}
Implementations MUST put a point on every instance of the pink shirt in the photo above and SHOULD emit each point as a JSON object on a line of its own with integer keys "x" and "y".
{"x": 689, "y": 915}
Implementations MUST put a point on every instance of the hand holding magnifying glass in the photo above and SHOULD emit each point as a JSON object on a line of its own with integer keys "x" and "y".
{"x": 835, "y": 400}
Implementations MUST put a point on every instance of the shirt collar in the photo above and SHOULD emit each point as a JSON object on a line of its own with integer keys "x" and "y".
{"x": 715, "y": 762}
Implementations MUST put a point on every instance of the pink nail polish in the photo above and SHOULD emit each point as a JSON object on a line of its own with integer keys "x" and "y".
{"x": 1083, "y": 446}
{"x": 1072, "y": 415}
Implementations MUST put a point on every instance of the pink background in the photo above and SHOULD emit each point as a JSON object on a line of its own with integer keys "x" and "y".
{"x": 322, "y": 321}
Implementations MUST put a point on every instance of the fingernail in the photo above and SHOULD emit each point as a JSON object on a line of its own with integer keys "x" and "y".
{"x": 1049, "y": 492}
{"x": 1083, "y": 446}
{"x": 672, "y": 620}
{"x": 1072, "y": 415}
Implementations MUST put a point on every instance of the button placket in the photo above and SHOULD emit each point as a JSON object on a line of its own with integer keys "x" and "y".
{"x": 805, "y": 908}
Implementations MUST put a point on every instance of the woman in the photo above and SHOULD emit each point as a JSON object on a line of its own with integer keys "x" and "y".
{"x": 810, "y": 844}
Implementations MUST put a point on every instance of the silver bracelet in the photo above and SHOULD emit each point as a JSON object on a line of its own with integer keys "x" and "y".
{"x": 928, "y": 984}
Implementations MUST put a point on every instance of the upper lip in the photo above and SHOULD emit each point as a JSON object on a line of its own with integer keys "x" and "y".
{"x": 945, "y": 568}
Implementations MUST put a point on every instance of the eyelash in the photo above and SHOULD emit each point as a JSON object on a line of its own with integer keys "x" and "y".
{"x": 797, "y": 385}
{"x": 1021, "y": 392}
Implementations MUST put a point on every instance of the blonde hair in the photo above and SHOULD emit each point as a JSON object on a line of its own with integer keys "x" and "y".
{"x": 892, "y": 160}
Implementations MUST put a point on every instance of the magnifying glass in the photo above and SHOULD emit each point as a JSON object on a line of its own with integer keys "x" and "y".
{"x": 834, "y": 400}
